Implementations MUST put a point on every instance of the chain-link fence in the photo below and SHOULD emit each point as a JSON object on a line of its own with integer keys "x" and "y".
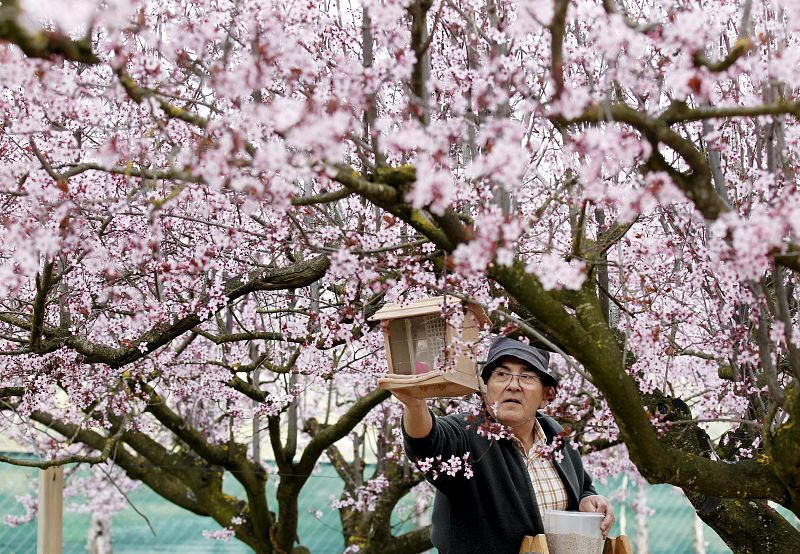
{"x": 669, "y": 529}
{"x": 176, "y": 530}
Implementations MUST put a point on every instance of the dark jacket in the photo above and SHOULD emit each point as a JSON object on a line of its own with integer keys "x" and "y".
{"x": 496, "y": 508}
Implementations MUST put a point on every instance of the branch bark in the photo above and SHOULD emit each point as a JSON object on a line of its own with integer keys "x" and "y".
{"x": 300, "y": 274}
{"x": 557, "y": 29}
{"x": 42, "y": 44}
{"x": 44, "y": 283}
{"x": 296, "y": 474}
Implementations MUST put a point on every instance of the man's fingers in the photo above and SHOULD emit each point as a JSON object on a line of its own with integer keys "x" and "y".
{"x": 407, "y": 399}
{"x": 608, "y": 521}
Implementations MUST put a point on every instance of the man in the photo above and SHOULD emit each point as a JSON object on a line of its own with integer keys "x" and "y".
{"x": 512, "y": 483}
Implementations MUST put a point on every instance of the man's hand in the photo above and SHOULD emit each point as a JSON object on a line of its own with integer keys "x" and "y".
{"x": 417, "y": 420}
{"x": 597, "y": 503}
{"x": 409, "y": 401}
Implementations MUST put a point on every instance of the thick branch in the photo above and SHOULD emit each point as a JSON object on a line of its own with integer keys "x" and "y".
{"x": 610, "y": 8}
{"x": 557, "y": 29}
{"x": 274, "y": 428}
{"x": 182, "y": 479}
{"x": 140, "y": 172}
{"x": 138, "y": 94}
{"x": 231, "y": 456}
{"x": 42, "y": 44}
{"x": 329, "y": 435}
{"x": 741, "y": 47}
{"x": 108, "y": 443}
{"x": 343, "y": 469}
{"x": 247, "y": 389}
{"x": 732, "y": 519}
{"x": 325, "y": 198}
{"x": 390, "y": 196}
{"x": 657, "y": 461}
{"x": 216, "y": 454}
{"x": 290, "y": 485}
{"x": 44, "y": 282}
{"x": 298, "y": 275}
{"x": 135, "y": 466}
{"x": 679, "y": 112}
{"x": 696, "y": 184}
{"x": 250, "y": 335}
{"x": 791, "y": 259}
{"x": 781, "y": 446}
{"x": 378, "y": 193}
{"x": 419, "y": 44}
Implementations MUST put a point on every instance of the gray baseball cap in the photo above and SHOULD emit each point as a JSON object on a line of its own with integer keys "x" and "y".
{"x": 537, "y": 358}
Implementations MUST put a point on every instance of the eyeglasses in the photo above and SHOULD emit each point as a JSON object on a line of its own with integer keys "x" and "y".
{"x": 527, "y": 380}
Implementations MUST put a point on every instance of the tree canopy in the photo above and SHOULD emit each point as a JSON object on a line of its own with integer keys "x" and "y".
{"x": 204, "y": 201}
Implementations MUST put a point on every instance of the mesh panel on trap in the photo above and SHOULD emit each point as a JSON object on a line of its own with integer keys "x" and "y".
{"x": 435, "y": 331}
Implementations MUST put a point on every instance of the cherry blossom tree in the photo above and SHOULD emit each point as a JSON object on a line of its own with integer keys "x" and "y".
{"x": 204, "y": 202}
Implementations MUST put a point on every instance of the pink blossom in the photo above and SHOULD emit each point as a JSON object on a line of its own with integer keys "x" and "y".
{"x": 554, "y": 272}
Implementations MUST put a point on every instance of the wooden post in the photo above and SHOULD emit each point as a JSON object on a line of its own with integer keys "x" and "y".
{"x": 534, "y": 545}
{"x": 51, "y": 501}
{"x": 538, "y": 545}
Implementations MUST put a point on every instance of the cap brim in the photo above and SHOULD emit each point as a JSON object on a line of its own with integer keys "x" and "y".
{"x": 536, "y": 362}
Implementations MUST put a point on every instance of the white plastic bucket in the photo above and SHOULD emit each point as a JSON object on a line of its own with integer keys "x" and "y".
{"x": 573, "y": 532}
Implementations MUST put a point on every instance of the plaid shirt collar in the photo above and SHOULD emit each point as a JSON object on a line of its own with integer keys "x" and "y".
{"x": 551, "y": 493}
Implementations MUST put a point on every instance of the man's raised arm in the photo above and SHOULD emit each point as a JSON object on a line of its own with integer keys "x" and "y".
{"x": 417, "y": 420}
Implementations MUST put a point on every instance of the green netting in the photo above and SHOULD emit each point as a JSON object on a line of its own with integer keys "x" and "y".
{"x": 670, "y": 529}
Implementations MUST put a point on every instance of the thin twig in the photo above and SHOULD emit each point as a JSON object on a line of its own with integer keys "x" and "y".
{"x": 128, "y": 500}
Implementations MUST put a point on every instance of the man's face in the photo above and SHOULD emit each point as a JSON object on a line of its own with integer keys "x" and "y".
{"x": 511, "y": 402}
